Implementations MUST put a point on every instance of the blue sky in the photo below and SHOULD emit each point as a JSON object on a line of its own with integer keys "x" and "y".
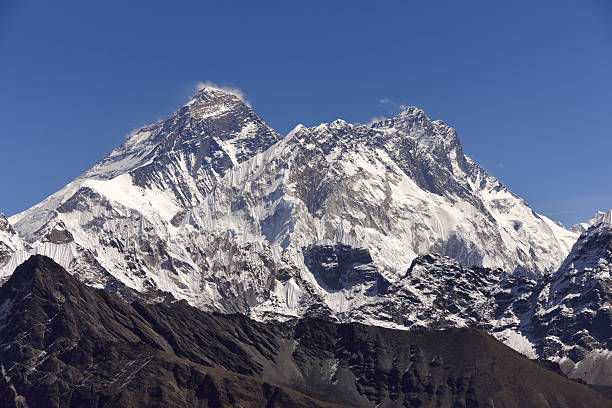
{"x": 527, "y": 85}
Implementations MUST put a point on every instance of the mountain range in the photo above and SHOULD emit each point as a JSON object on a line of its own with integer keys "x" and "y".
{"x": 388, "y": 224}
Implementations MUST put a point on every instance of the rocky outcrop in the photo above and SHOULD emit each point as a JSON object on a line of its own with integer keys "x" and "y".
{"x": 338, "y": 266}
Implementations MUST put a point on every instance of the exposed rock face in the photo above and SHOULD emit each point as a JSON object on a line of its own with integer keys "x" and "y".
{"x": 66, "y": 344}
{"x": 437, "y": 292}
{"x": 341, "y": 266}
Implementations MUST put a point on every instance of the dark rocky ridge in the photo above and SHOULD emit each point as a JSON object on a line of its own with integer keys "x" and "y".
{"x": 65, "y": 344}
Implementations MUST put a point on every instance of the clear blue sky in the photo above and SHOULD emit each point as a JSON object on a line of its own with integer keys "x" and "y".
{"x": 527, "y": 84}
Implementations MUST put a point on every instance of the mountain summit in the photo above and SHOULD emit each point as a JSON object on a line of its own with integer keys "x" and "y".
{"x": 212, "y": 132}
{"x": 173, "y": 163}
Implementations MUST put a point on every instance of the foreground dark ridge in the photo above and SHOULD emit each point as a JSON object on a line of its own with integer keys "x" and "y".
{"x": 67, "y": 345}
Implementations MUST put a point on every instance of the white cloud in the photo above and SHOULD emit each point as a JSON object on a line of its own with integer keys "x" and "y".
{"x": 239, "y": 93}
{"x": 133, "y": 132}
{"x": 386, "y": 100}
{"x": 376, "y": 119}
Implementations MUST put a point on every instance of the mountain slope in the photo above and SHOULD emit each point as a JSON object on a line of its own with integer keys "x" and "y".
{"x": 10, "y": 243}
{"x": 574, "y": 307}
{"x": 400, "y": 188}
{"x": 66, "y": 344}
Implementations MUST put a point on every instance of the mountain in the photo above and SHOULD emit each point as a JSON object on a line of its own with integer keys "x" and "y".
{"x": 346, "y": 222}
{"x": 119, "y": 217}
{"x": 400, "y": 188}
{"x": 155, "y": 211}
{"x": 67, "y": 344}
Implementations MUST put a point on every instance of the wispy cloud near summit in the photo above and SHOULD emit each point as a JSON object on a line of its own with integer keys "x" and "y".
{"x": 239, "y": 93}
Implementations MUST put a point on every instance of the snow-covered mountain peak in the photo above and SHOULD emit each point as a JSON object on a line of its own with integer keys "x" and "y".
{"x": 209, "y": 99}
{"x": 187, "y": 152}
{"x": 164, "y": 167}
{"x": 600, "y": 217}
{"x": 216, "y": 125}
{"x": 604, "y": 219}
{"x": 407, "y": 114}
{"x": 339, "y": 124}
{"x": 412, "y": 122}
{"x": 592, "y": 248}
{"x": 209, "y": 91}
{"x": 300, "y": 127}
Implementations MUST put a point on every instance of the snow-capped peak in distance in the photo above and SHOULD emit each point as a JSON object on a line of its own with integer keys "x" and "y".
{"x": 212, "y": 110}
{"x": 608, "y": 218}
{"x": 171, "y": 164}
{"x": 209, "y": 87}
{"x": 413, "y": 121}
{"x": 599, "y": 218}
